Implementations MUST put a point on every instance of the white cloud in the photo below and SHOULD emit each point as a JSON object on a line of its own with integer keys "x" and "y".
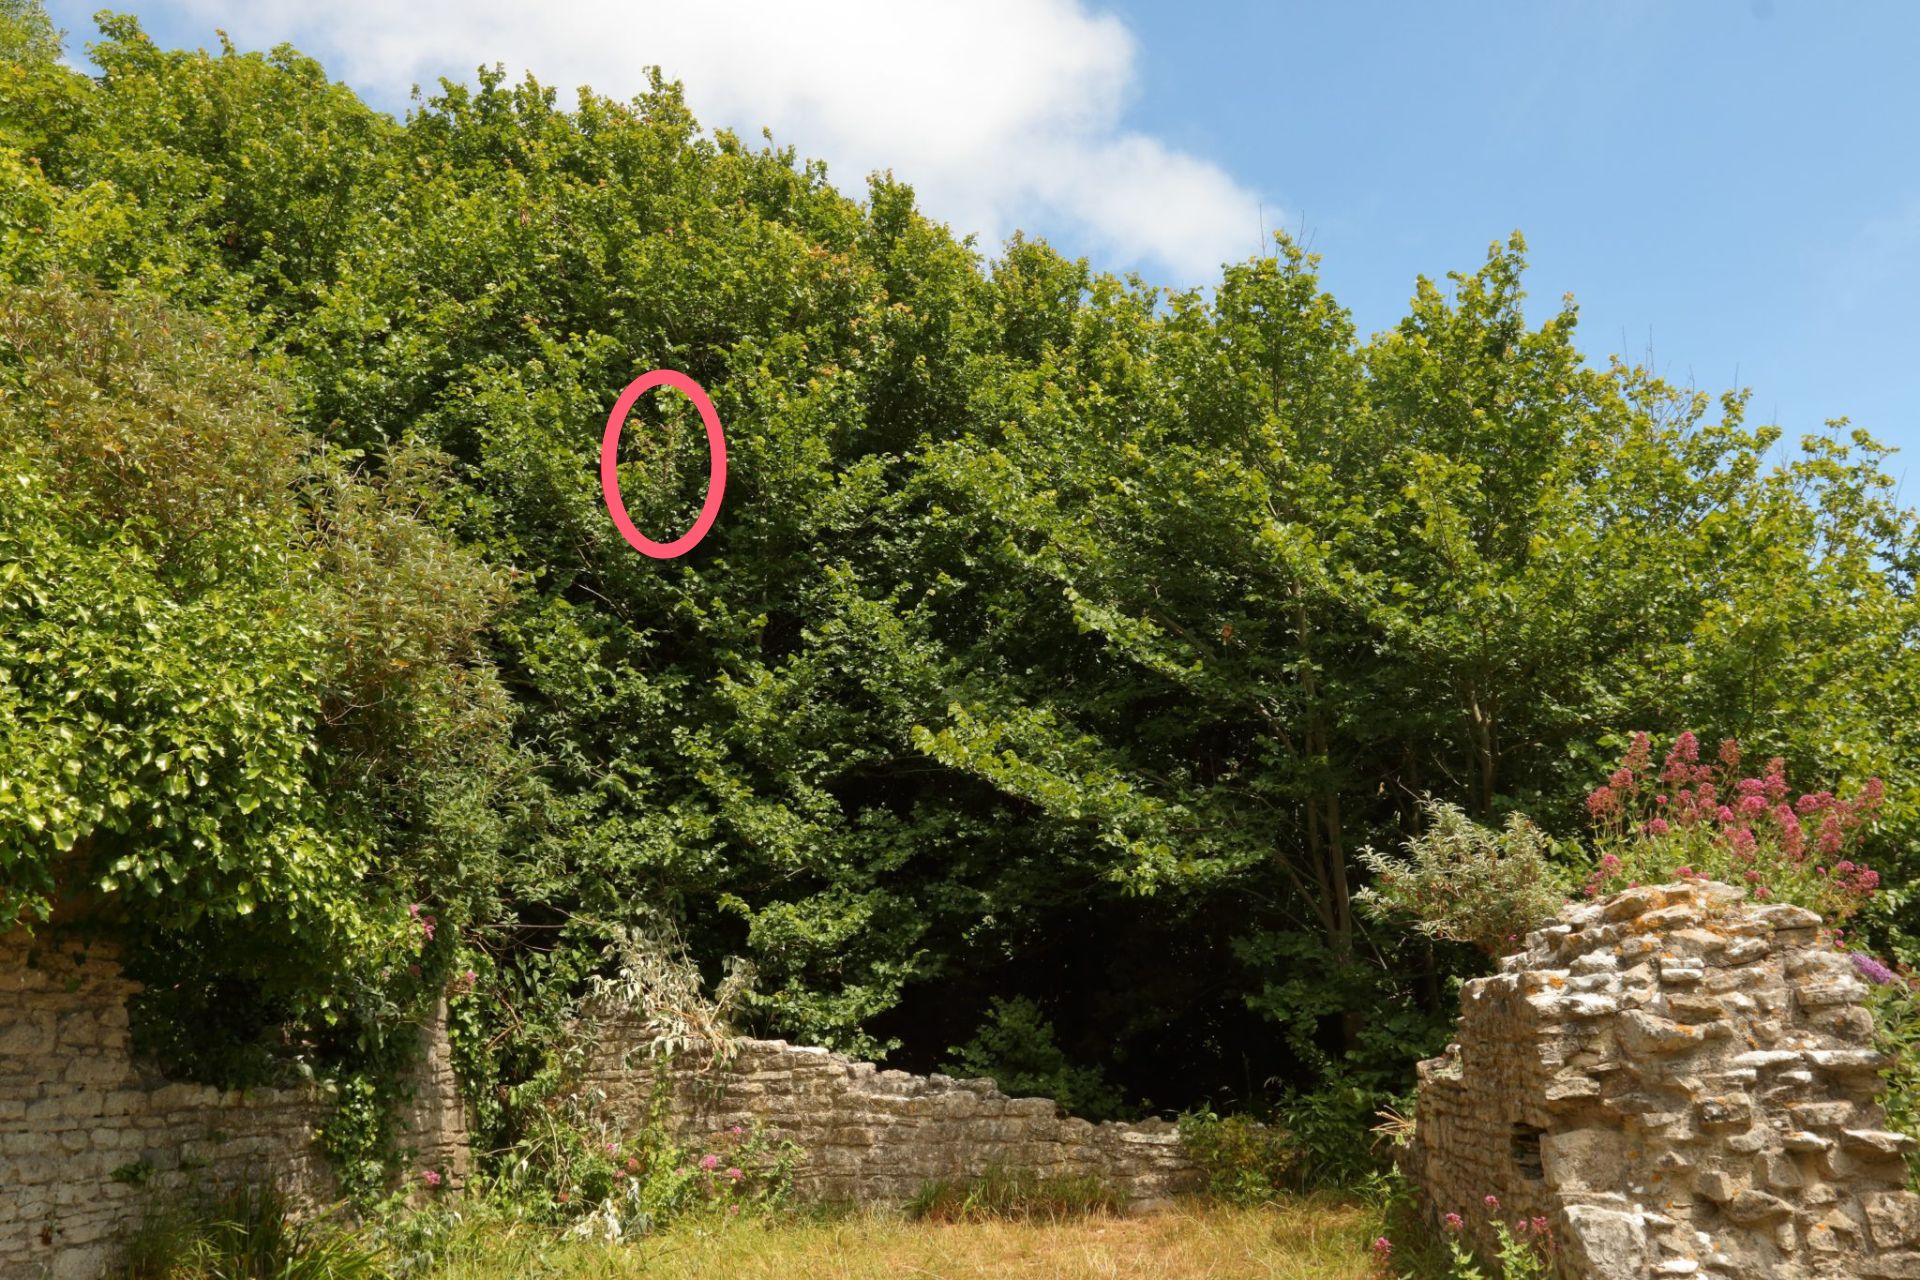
{"x": 1000, "y": 113}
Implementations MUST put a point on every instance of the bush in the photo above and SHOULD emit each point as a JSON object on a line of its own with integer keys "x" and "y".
{"x": 1693, "y": 820}
{"x": 1015, "y": 1046}
{"x": 1243, "y": 1161}
{"x": 1467, "y": 883}
{"x": 1336, "y": 1136}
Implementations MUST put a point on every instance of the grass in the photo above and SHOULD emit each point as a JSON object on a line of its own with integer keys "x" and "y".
{"x": 243, "y": 1233}
{"x": 1306, "y": 1239}
{"x": 1013, "y": 1195}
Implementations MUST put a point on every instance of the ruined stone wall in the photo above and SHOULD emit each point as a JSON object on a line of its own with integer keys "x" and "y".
{"x": 75, "y": 1109}
{"x": 1683, "y": 1083}
{"x": 877, "y": 1137}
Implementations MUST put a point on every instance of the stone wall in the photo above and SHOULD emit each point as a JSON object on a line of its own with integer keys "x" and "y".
{"x": 1683, "y": 1083}
{"x": 75, "y": 1109}
{"x": 877, "y": 1137}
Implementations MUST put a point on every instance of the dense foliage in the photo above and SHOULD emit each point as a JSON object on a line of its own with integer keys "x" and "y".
{"x": 1061, "y": 641}
{"x": 236, "y": 679}
{"x": 1466, "y": 883}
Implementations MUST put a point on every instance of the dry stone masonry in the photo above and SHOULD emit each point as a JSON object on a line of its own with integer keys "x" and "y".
{"x": 1683, "y": 1082}
{"x": 88, "y": 1137}
{"x": 877, "y": 1137}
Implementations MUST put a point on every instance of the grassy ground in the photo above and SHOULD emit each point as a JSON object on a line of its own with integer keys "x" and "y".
{"x": 1313, "y": 1239}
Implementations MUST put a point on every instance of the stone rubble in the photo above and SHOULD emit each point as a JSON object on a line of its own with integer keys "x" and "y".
{"x": 1683, "y": 1083}
{"x": 874, "y": 1136}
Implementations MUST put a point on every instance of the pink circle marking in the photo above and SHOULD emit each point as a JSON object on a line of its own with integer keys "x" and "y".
{"x": 716, "y": 463}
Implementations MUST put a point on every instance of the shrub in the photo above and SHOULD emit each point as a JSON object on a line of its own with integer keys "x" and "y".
{"x": 1707, "y": 820}
{"x": 1468, "y": 883}
{"x": 1243, "y": 1161}
{"x": 1019, "y": 1195}
{"x": 1015, "y": 1046}
{"x": 1336, "y": 1136}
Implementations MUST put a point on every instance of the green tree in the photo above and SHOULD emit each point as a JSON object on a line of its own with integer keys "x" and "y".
{"x": 1060, "y": 640}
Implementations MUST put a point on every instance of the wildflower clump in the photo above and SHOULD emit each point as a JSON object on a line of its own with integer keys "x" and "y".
{"x": 573, "y": 1171}
{"x": 1694, "y": 819}
{"x": 1524, "y": 1250}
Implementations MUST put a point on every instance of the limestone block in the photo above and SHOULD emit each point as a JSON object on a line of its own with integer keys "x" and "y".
{"x": 1605, "y": 1244}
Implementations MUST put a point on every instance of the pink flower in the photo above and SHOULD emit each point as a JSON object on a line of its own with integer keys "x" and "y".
{"x": 709, "y": 1162}
{"x": 1724, "y": 814}
{"x": 1455, "y": 1222}
{"x": 611, "y": 1148}
{"x": 1382, "y": 1248}
{"x": 736, "y": 1131}
{"x": 430, "y": 1176}
{"x": 733, "y": 1211}
{"x": 1539, "y": 1226}
{"x": 1792, "y": 838}
{"x": 735, "y": 1174}
{"x": 1685, "y": 750}
{"x": 1492, "y": 1202}
{"x": 1683, "y": 873}
{"x": 1776, "y": 779}
{"x": 1658, "y": 827}
{"x": 1639, "y": 751}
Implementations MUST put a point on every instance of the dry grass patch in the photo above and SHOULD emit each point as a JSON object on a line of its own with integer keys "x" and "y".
{"x": 1309, "y": 1239}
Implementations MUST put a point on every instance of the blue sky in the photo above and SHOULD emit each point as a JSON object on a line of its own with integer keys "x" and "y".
{"x": 1731, "y": 183}
{"x": 1726, "y": 185}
